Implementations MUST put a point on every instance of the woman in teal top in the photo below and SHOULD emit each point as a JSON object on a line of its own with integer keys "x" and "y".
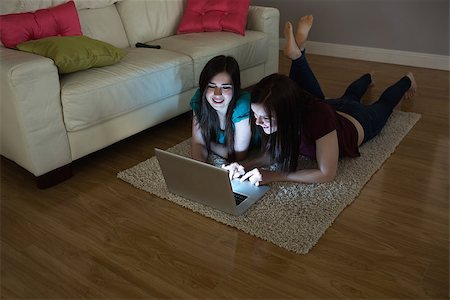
{"x": 240, "y": 112}
{"x": 221, "y": 121}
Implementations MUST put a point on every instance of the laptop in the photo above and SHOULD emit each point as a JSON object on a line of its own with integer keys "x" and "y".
{"x": 207, "y": 184}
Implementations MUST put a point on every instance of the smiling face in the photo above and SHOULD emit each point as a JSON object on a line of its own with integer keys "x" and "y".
{"x": 219, "y": 92}
{"x": 262, "y": 118}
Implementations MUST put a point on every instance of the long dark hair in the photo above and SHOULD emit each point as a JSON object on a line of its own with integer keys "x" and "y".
{"x": 207, "y": 117}
{"x": 282, "y": 97}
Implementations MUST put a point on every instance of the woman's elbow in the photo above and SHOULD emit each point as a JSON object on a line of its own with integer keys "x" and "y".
{"x": 328, "y": 176}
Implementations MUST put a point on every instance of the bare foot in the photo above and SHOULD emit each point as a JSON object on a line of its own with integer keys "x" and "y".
{"x": 291, "y": 49}
{"x": 303, "y": 27}
{"x": 412, "y": 89}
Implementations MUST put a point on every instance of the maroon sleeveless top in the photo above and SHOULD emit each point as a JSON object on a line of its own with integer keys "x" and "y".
{"x": 321, "y": 120}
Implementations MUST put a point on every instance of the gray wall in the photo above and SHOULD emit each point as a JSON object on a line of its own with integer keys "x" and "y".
{"x": 407, "y": 25}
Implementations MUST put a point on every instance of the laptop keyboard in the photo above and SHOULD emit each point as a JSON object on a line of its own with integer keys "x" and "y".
{"x": 239, "y": 198}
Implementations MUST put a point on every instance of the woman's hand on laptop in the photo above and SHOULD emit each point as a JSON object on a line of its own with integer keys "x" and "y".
{"x": 235, "y": 170}
{"x": 254, "y": 176}
{"x": 259, "y": 176}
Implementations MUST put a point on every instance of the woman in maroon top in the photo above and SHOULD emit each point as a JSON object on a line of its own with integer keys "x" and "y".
{"x": 295, "y": 118}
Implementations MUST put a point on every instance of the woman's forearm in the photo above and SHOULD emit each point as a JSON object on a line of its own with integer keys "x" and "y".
{"x": 219, "y": 149}
{"x": 199, "y": 152}
{"x": 306, "y": 176}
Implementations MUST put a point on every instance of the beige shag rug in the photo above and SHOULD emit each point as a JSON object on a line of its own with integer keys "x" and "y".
{"x": 292, "y": 216}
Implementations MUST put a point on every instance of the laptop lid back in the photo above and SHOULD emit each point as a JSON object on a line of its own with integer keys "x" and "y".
{"x": 197, "y": 181}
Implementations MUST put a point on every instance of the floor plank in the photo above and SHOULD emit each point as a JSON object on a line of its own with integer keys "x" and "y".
{"x": 95, "y": 236}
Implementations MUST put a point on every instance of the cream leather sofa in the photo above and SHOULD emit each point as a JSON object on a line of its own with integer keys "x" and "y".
{"x": 48, "y": 120}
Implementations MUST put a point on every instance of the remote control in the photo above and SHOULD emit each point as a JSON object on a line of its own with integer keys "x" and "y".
{"x": 142, "y": 45}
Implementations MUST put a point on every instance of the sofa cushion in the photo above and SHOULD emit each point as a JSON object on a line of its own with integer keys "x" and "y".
{"x": 145, "y": 21}
{"x": 249, "y": 50}
{"x": 61, "y": 20}
{"x": 74, "y": 53}
{"x": 214, "y": 15}
{"x": 104, "y": 24}
{"x": 143, "y": 77}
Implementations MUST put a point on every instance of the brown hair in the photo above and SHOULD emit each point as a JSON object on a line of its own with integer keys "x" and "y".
{"x": 206, "y": 115}
{"x": 282, "y": 98}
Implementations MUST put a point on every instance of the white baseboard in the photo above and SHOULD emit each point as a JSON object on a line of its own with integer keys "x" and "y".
{"x": 414, "y": 59}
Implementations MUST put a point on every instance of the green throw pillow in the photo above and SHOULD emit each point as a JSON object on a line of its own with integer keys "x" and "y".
{"x": 74, "y": 53}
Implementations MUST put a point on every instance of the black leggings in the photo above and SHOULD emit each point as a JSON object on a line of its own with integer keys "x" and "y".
{"x": 372, "y": 117}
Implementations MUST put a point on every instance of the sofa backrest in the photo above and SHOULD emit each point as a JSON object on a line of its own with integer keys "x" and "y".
{"x": 148, "y": 20}
{"x": 19, "y": 6}
{"x": 121, "y": 23}
{"x": 99, "y": 19}
{"x": 103, "y": 24}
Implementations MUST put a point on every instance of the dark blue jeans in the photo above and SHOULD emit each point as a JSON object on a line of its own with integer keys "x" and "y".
{"x": 372, "y": 117}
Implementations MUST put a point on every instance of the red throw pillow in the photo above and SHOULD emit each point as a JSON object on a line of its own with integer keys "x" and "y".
{"x": 214, "y": 15}
{"x": 61, "y": 20}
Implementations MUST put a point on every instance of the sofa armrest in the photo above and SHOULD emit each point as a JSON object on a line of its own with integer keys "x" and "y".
{"x": 267, "y": 19}
{"x": 32, "y": 128}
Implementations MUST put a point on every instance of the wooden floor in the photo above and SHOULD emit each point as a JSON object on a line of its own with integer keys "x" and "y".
{"x": 95, "y": 236}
